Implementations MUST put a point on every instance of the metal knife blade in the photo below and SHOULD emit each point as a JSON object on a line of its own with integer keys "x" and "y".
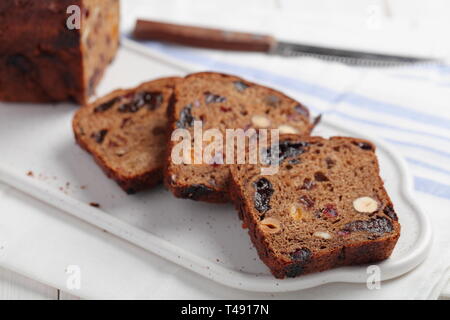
{"x": 241, "y": 41}
{"x": 351, "y": 57}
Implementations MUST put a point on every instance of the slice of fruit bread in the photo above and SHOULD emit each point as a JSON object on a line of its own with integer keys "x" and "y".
{"x": 126, "y": 132}
{"x": 325, "y": 207}
{"x": 223, "y": 102}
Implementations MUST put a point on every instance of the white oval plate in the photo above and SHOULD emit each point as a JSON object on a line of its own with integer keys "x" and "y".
{"x": 205, "y": 238}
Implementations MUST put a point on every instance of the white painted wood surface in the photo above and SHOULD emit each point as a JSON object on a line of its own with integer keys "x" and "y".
{"x": 17, "y": 287}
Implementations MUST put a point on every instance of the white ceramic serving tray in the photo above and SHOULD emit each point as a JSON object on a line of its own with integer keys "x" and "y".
{"x": 205, "y": 238}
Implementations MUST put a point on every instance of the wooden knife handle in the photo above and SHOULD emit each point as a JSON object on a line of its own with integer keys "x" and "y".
{"x": 202, "y": 37}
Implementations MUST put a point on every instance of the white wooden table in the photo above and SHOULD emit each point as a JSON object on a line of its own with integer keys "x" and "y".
{"x": 14, "y": 286}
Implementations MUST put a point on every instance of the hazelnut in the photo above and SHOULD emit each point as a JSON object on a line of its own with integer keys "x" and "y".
{"x": 260, "y": 121}
{"x": 287, "y": 129}
{"x": 322, "y": 234}
{"x": 120, "y": 152}
{"x": 365, "y": 205}
{"x": 270, "y": 225}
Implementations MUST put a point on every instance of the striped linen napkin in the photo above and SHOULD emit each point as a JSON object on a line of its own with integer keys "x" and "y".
{"x": 408, "y": 107}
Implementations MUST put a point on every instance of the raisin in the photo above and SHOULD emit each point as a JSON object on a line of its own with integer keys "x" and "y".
{"x": 329, "y": 211}
{"x": 301, "y": 255}
{"x": 225, "y": 109}
{"x": 307, "y": 201}
{"x": 377, "y": 225}
{"x": 150, "y": 99}
{"x": 130, "y": 107}
{"x": 290, "y": 149}
{"x": 293, "y": 270}
{"x": 389, "y": 211}
{"x": 330, "y": 163}
{"x": 240, "y": 86}
{"x": 262, "y": 196}
{"x": 272, "y": 101}
{"x": 213, "y": 98}
{"x": 186, "y": 118}
{"x": 320, "y": 177}
{"x": 300, "y": 109}
{"x": 363, "y": 145}
{"x": 308, "y": 184}
{"x": 99, "y": 136}
{"x": 286, "y": 149}
{"x": 294, "y": 161}
{"x": 153, "y": 100}
{"x": 107, "y": 105}
{"x": 196, "y": 191}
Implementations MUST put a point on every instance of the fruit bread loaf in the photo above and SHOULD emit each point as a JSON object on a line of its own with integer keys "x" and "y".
{"x": 55, "y": 50}
{"x": 223, "y": 102}
{"x": 326, "y": 207}
{"x": 125, "y": 131}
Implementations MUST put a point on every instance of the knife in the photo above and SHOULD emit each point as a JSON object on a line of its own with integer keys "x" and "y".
{"x": 241, "y": 41}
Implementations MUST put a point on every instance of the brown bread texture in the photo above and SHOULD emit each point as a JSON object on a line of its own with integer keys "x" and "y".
{"x": 42, "y": 60}
{"x": 326, "y": 207}
{"x": 223, "y": 102}
{"x": 126, "y": 131}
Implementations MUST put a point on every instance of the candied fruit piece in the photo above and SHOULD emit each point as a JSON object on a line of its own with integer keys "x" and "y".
{"x": 329, "y": 211}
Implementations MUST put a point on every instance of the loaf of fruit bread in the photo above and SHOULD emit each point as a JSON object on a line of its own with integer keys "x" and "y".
{"x": 125, "y": 132}
{"x": 55, "y": 50}
{"x": 326, "y": 206}
{"x": 223, "y": 102}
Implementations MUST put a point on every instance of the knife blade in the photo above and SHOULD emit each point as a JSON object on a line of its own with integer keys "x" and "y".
{"x": 241, "y": 41}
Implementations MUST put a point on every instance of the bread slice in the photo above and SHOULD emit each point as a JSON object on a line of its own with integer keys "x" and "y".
{"x": 223, "y": 102}
{"x": 325, "y": 207}
{"x": 125, "y": 131}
